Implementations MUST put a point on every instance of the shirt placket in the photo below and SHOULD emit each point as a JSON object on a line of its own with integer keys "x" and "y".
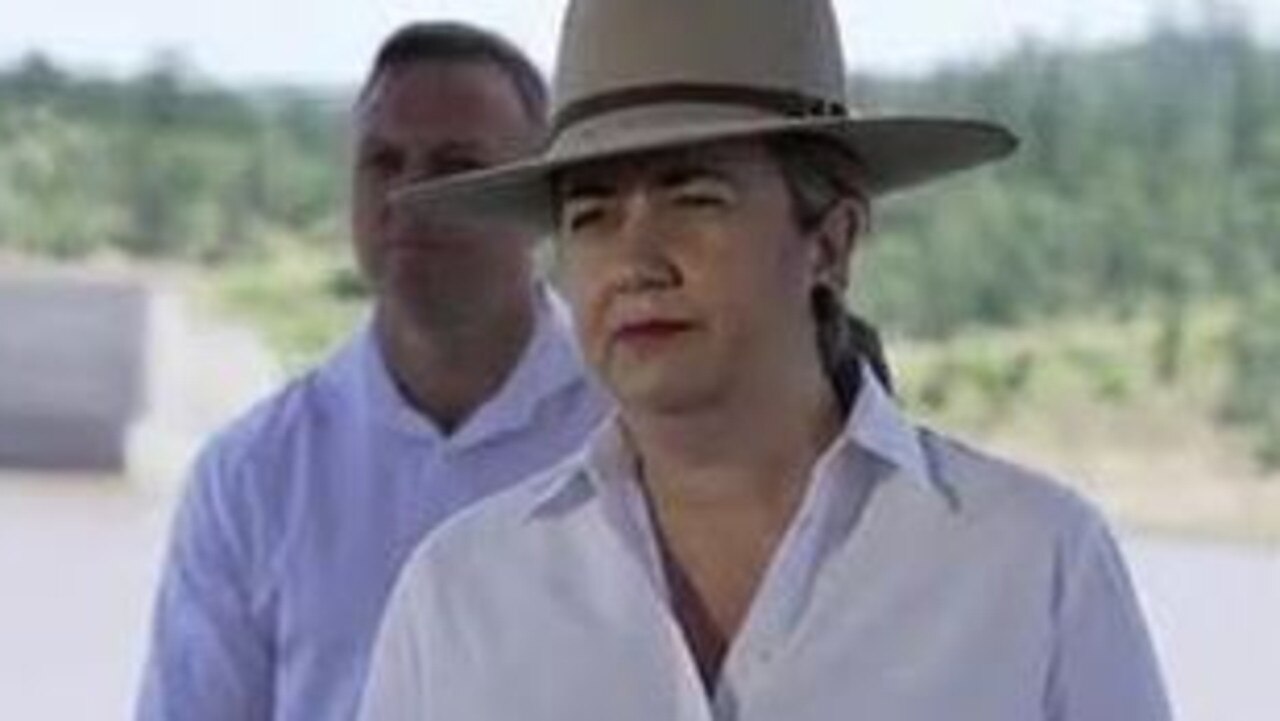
{"x": 785, "y": 590}
{"x": 772, "y": 615}
{"x": 774, "y": 611}
{"x": 629, "y": 522}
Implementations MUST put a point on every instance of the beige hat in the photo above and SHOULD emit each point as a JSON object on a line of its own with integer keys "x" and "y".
{"x": 640, "y": 75}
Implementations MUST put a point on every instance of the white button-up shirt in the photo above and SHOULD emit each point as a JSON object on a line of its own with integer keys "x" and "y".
{"x": 919, "y": 581}
{"x": 299, "y": 516}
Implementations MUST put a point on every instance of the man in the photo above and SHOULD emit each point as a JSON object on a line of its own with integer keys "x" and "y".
{"x": 759, "y": 533}
{"x": 464, "y": 380}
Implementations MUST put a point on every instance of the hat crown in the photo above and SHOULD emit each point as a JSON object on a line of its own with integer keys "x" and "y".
{"x": 607, "y": 46}
{"x": 641, "y": 76}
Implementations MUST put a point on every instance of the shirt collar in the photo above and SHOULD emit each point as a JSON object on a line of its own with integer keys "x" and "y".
{"x": 875, "y": 425}
{"x": 548, "y": 364}
{"x": 878, "y": 426}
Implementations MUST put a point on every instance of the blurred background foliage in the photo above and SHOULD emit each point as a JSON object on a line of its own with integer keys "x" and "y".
{"x": 1130, "y": 251}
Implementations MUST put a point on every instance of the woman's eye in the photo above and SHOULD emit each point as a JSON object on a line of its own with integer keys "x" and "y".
{"x": 582, "y": 214}
{"x": 699, "y": 199}
{"x": 700, "y": 194}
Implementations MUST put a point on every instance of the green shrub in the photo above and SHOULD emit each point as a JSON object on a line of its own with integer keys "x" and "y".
{"x": 1252, "y": 396}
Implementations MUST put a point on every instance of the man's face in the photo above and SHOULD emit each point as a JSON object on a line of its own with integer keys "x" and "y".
{"x": 423, "y": 120}
{"x": 687, "y": 273}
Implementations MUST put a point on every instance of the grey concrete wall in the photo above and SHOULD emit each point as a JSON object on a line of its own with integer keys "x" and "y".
{"x": 72, "y": 370}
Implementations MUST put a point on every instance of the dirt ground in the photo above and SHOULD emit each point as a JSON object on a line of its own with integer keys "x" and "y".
{"x": 1158, "y": 471}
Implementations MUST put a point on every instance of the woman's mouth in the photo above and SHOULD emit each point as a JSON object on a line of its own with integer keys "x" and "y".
{"x": 650, "y": 331}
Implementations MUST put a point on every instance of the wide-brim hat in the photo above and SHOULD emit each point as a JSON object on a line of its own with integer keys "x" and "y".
{"x": 634, "y": 76}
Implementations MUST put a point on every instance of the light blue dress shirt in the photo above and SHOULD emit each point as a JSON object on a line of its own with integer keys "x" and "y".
{"x": 919, "y": 581}
{"x": 299, "y": 516}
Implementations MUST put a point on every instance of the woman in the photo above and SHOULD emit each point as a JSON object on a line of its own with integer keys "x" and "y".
{"x": 759, "y": 533}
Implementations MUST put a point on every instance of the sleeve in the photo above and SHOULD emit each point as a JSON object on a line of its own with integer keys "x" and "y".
{"x": 1103, "y": 666}
{"x": 210, "y": 656}
{"x": 395, "y": 688}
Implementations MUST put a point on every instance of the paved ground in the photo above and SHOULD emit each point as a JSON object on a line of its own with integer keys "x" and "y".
{"x": 79, "y": 554}
{"x": 78, "y": 558}
{"x": 1215, "y": 613}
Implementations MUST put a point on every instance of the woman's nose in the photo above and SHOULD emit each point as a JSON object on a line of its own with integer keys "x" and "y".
{"x": 644, "y": 263}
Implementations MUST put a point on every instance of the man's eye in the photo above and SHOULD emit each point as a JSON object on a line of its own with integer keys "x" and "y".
{"x": 452, "y": 166}
{"x": 383, "y": 161}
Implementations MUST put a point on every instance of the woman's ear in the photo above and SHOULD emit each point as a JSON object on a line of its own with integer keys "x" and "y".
{"x": 834, "y": 240}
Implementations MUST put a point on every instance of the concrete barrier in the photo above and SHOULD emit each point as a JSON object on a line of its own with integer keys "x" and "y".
{"x": 72, "y": 370}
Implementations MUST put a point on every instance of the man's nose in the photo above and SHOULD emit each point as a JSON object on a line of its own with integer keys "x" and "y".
{"x": 418, "y": 167}
{"x": 403, "y": 216}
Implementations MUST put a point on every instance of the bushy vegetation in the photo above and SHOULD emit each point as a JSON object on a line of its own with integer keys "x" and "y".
{"x": 1253, "y": 397}
{"x": 1147, "y": 178}
{"x": 163, "y": 165}
{"x": 1145, "y": 190}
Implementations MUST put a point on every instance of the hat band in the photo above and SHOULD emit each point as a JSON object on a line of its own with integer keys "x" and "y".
{"x": 781, "y": 102}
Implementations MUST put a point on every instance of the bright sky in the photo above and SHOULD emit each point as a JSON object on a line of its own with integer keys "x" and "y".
{"x": 330, "y": 41}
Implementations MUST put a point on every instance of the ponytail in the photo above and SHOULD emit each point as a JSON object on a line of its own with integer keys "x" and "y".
{"x": 845, "y": 343}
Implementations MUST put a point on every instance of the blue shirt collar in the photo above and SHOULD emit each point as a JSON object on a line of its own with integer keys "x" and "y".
{"x": 549, "y": 363}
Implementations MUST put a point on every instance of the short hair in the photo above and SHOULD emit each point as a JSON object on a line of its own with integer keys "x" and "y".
{"x": 448, "y": 41}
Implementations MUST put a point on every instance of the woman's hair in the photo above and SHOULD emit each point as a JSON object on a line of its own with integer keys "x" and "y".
{"x": 820, "y": 173}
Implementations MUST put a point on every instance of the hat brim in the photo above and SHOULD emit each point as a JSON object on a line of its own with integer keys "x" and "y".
{"x": 895, "y": 153}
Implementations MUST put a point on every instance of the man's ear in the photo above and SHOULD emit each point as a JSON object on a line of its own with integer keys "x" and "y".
{"x": 834, "y": 239}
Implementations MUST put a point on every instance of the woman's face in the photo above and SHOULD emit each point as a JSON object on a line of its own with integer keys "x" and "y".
{"x": 688, "y": 276}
